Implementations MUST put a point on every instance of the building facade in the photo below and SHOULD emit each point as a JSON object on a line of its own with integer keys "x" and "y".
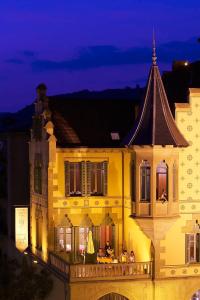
{"x": 139, "y": 192}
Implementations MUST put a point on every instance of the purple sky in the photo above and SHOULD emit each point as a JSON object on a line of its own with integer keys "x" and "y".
{"x": 92, "y": 44}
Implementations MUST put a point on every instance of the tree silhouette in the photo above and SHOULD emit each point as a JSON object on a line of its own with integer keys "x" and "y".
{"x": 23, "y": 281}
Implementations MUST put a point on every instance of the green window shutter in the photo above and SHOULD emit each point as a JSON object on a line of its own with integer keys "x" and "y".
{"x": 67, "y": 178}
{"x": 83, "y": 175}
{"x": 89, "y": 166}
{"x": 105, "y": 177}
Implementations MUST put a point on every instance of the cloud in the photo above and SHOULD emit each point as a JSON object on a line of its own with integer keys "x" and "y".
{"x": 15, "y": 61}
{"x": 106, "y": 56}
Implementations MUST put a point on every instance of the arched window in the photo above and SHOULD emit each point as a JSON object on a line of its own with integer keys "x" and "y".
{"x": 64, "y": 235}
{"x": 162, "y": 181}
{"x": 145, "y": 174}
{"x": 85, "y": 226}
{"x": 106, "y": 232}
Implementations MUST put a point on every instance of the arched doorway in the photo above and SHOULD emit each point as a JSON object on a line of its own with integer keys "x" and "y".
{"x": 196, "y": 296}
{"x": 113, "y": 296}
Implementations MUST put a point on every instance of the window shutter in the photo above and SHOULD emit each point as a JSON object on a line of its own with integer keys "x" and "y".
{"x": 197, "y": 247}
{"x": 76, "y": 243}
{"x": 187, "y": 248}
{"x": 95, "y": 236}
{"x": 67, "y": 178}
{"x": 89, "y": 166}
{"x": 83, "y": 178}
{"x": 113, "y": 237}
{"x": 105, "y": 178}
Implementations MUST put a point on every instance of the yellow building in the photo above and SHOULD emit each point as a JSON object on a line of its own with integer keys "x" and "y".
{"x": 138, "y": 191}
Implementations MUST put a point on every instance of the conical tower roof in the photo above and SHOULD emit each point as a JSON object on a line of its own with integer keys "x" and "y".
{"x": 155, "y": 124}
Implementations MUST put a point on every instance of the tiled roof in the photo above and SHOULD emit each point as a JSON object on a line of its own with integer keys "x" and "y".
{"x": 155, "y": 124}
{"x": 93, "y": 121}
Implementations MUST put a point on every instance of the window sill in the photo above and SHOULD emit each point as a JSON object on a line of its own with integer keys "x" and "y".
{"x": 145, "y": 201}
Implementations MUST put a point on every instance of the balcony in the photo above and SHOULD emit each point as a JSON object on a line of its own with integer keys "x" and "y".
{"x": 90, "y": 272}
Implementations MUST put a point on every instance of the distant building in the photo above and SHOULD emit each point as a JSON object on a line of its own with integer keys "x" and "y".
{"x": 100, "y": 178}
{"x": 184, "y": 75}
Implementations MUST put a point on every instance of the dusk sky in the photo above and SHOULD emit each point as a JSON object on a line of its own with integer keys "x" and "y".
{"x": 72, "y": 45}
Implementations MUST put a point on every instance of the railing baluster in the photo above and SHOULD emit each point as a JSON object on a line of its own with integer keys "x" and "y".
{"x": 82, "y": 271}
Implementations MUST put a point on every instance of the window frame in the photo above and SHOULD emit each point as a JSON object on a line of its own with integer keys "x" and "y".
{"x": 145, "y": 174}
{"x": 196, "y": 247}
{"x": 65, "y": 234}
{"x": 162, "y": 165}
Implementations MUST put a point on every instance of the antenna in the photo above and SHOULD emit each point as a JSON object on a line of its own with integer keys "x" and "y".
{"x": 154, "y": 57}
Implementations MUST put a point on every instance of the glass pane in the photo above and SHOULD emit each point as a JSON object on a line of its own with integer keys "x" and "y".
{"x": 93, "y": 177}
{"x": 161, "y": 184}
{"x": 99, "y": 178}
{"x": 83, "y": 235}
{"x": 68, "y": 242}
{"x": 72, "y": 178}
{"x": 148, "y": 183}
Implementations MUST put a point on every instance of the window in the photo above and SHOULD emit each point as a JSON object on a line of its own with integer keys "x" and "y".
{"x": 174, "y": 182}
{"x": 192, "y": 241}
{"x": 162, "y": 181}
{"x": 38, "y": 179}
{"x": 83, "y": 236}
{"x": 64, "y": 238}
{"x": 97, "y": 178}
{"x": 39, "y": 233}
{"x": 106, "y": 235}
{"x": 145, "y": 173}
{"x": 74, "y": 178}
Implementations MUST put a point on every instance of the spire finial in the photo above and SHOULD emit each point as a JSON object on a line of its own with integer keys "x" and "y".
{"x": 154, "y": 57}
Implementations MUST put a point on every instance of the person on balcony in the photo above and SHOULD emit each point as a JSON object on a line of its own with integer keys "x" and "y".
{"x": 107, "y": 249}
{"x": 124, "y": 256}
{"x": 132, "y": 257}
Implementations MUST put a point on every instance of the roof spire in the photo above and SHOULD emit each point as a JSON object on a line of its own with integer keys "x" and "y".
{"x": 154, "y": 57}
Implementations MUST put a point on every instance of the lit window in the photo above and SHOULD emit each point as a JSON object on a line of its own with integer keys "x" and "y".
{"x": 106, "y": 235}
{"x": 83, "y": 238}
{"x": 97, "y": 178}
{"x": 74, "y": 178}
{"x": 115, "y": 136}
{"x": 145, "y": 174}
{"x": 64, "y": 238}
{"x": 162, "y": 181}
{"x": 192, "y": 247}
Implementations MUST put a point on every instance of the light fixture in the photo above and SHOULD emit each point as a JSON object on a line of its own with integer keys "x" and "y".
{"x": 35, "y": 261}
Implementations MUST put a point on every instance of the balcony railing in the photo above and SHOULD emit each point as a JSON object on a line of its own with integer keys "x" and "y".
{"x": 87, "y": 272}
{"x": 59, "y": 264}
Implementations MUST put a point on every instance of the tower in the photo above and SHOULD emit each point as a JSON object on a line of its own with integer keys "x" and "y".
{"x": 155, "y": 141}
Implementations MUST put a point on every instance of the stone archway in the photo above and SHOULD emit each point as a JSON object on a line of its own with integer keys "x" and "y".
{"x": 113, "y": 296}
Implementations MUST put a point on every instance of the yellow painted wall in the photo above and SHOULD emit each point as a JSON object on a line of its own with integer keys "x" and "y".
{"x": 188, "y": 121}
